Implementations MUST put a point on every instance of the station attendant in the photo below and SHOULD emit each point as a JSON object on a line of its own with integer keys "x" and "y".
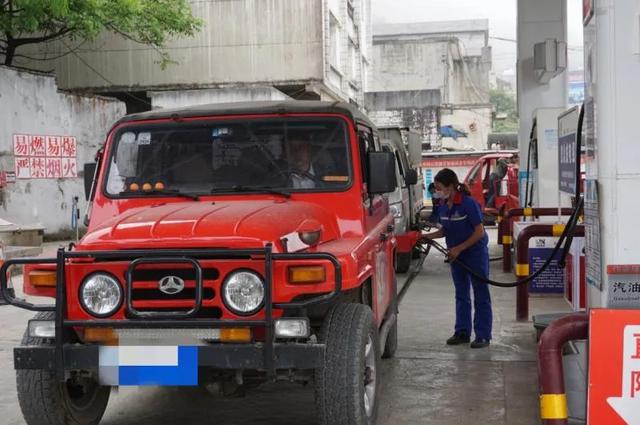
{"x": 461, "y": 220}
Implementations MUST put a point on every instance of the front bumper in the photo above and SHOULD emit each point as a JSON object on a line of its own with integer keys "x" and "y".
{"x": 268, "y": 355}
{"x": 218, "y": 356}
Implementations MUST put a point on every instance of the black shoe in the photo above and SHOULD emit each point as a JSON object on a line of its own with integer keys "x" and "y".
{"x": 458, "y": 338}
{"x": 480, "y": 343}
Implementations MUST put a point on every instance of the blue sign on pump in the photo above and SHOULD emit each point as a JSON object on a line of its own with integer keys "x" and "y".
{"x": 567, "y": 151}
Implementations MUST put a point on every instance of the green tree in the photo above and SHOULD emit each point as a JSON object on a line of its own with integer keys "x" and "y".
{"x": 504, "y": 104}
{"x": 150, "y": 22}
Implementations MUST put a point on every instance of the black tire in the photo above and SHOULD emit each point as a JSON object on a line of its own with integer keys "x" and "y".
{"x": 391, "y": 344}
{"x": 46, "y": 401}
{"x": 340, "y": 384}
{"x": 415, "y": 253}
{"x": 403, "y": 262}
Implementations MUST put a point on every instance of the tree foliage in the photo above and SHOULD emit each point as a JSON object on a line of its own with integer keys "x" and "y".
{"x": 150, "y": 22}
{"x": 504, "y": 103}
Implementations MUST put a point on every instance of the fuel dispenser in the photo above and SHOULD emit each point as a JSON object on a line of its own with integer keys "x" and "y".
{"x": 548, "y": 188}
{"x": 611, "y": 323}
{"x": 541, "y": 175}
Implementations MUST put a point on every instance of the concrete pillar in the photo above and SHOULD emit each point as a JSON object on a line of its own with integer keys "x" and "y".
{"x": 537, "y": 21}
{"x": 612, "y": 67}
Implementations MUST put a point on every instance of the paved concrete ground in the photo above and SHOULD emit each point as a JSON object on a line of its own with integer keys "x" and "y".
{"x": 427, "y": 383}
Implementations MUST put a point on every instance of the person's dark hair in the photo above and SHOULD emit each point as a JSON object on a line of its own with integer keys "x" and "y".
{"x": 432, "y": 187}
{"x": 448, "y": 177}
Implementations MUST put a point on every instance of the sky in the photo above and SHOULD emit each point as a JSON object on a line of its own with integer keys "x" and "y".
{"x": 502, "y": 15}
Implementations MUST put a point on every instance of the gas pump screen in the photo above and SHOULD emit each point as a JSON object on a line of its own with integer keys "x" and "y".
{"x": 567, "y": 146}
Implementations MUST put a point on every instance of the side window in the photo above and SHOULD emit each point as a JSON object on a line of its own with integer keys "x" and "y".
{"x": 473, "y": 175}
{"x": 376, "y": 142}
{"x": 488, "y": 166}
{"x": 399, "y": 163}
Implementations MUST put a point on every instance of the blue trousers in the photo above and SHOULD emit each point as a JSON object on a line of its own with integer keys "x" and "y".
{"x": 463, "y": 281}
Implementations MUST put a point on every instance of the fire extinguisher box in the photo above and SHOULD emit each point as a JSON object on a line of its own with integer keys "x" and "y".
{"x": 575, "y": 289}
{"x": 552, "y": 280}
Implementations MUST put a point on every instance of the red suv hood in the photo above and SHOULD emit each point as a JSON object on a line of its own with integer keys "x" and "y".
{"x": 230, "y": 224}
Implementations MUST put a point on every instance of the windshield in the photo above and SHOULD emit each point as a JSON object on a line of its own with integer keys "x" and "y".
{"x": 287, "y": 155}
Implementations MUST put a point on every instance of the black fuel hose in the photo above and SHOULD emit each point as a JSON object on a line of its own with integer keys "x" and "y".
{"x": 568, "y": 230}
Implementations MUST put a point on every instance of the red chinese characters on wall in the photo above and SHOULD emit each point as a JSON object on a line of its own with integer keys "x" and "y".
{"x": 23, "y": 167}
{"x": 36, "y": 146}
{"x": 20, "y": 145}
{"x": 69, "y": 167}
{"x": 54, "y": 168}
{"x": 54, "y": 147}
{"x": 45, "y": 156}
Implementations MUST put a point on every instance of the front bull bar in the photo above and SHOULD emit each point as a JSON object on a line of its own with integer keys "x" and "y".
{"x": 273, "y": 355}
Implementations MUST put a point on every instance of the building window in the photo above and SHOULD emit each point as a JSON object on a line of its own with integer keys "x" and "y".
{"x": 350, "y": 9}
{"x": 353, "y": 61}
{"x": 334, "y": 48}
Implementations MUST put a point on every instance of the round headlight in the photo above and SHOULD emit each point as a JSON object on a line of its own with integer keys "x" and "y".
{"x": 243, "y": 292}
{"x": 101, "y": 294}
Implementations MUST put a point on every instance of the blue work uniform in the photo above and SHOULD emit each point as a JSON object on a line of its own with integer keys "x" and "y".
{"x": 434, "y": 218}
{"x": 458, "y": 224}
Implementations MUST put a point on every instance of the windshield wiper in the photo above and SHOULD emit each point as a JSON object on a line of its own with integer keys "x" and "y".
{"x": 256, "y": 189}
{"x": 170, "y": 192}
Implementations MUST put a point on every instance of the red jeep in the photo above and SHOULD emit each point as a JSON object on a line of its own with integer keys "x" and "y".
{"x": 228, "y": 244}
{"x": 493, "y": 182}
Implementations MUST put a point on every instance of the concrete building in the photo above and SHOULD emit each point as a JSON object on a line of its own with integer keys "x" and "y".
{"x": 433, "y": 75}
{"x": 246, "y": 50}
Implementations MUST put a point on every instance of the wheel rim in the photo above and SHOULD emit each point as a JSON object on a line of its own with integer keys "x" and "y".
{"x": 369, "y": 377}
{"x": 80, "y": 393}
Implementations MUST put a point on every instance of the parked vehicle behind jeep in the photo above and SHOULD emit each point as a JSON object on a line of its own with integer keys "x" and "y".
{"x": 408, "y": 199}
{"x": 234, "y": 244}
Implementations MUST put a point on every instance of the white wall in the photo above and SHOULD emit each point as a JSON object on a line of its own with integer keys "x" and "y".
{"x": 180, "y": 98}
{"x": 400, "y": 65}
{"x": 30, "y": 103}
{"x": 242, "y": 41}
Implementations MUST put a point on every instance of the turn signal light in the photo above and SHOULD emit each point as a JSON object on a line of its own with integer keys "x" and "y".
{"x": 307, "y": 274}
{"x": 336, "y": 178}
{"x": 103, "y": 335}
{"x": 235, "y": 335}
{"x": 43, "y": 278}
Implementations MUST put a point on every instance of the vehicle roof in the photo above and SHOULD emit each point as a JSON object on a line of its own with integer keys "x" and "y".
{"x": 499, "y": 155}
{"x": 253, "y": 108}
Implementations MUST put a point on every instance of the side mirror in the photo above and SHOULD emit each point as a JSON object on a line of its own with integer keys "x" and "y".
{"x": 89, "y": 177}
{"x": 411, "y": 177}
{"x": 382, "y": 172}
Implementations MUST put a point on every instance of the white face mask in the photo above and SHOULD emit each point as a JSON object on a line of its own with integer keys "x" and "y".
{"x": 440, "y": 194}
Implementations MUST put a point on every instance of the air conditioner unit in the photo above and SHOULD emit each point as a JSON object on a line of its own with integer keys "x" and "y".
{"x": 549, "y": 59}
